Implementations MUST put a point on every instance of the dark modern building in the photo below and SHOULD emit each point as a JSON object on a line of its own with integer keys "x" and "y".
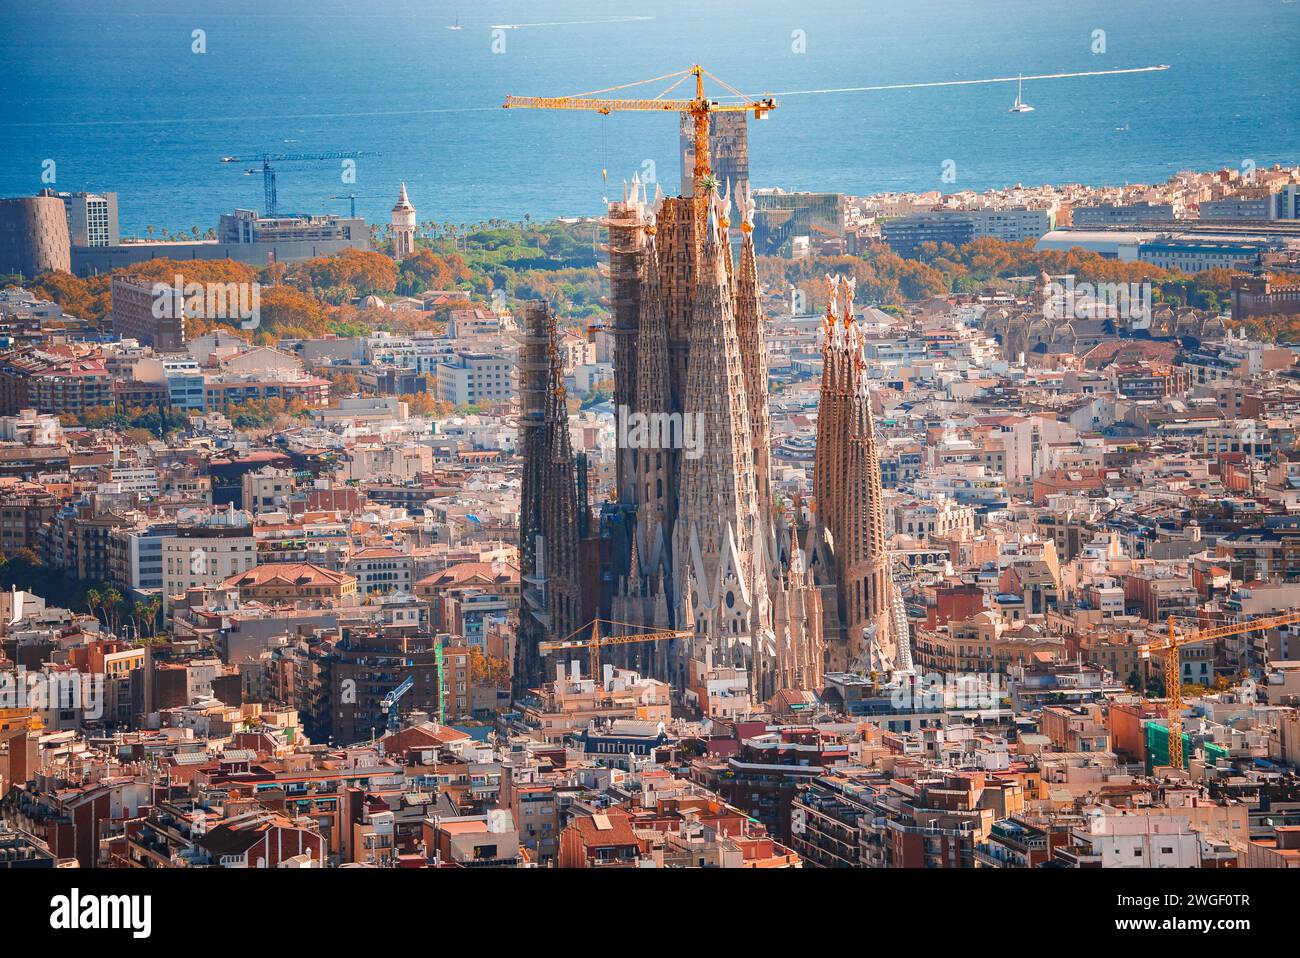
{"x": 906, "y": 235}
{"x": 34, "y": 236}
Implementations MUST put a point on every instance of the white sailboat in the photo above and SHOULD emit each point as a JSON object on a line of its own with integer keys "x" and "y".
{"x": 1020, "y": 106}
{"x": 456, "y": 25}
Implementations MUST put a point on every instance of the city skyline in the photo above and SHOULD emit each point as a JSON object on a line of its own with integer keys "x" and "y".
{"x": 443, "y": 95}
{"x": 826, "y": 495}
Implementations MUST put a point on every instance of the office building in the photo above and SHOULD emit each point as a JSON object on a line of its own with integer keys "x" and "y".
{"x": 92, "y": 217}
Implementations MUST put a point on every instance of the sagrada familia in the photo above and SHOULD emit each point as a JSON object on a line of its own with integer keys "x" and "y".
{"x": 696, "y": 539}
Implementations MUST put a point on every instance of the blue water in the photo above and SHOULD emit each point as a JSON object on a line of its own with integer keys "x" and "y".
{"x": 110, "y": 90}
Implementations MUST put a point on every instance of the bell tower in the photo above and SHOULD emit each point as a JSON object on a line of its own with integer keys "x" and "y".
{"x": 403, "y": 226}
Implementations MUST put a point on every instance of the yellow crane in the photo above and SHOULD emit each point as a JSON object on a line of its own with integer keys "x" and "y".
{"x": 1172, "y": 643}
{"x": 595, "y": 642}
{"x": 699, "y": 108}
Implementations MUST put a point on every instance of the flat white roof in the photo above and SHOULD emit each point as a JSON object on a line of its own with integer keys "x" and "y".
{"x": 1098, "y": 237}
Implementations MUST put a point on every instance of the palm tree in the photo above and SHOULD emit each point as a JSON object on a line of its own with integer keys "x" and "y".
{"x": 113, "y": 604}
{"x": 146, "y": 611}
{"x": 93, "y": 602}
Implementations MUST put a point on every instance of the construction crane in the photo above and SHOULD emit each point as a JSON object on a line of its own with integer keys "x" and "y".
{"x": 1172, "y": 643}
{"x": 595, "y": 642}
{"x": 352, "y": 200}
{"x": 698, "y": 108}
{"x": 268, "y": 171}
{"x": 389, "y": 702}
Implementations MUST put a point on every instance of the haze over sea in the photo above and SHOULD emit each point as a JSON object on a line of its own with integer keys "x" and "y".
{"x": 110, "y": 90}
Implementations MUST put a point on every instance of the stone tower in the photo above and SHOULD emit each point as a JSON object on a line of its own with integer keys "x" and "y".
{"x": 403, "y": 224}
{"x": 850, "y": 525}
{"x": 627, "y": 225}
{"x": 752, "y": 336}
{"x": 548, "y": 504}
{"x": 799, "y": 652}
{"x": 716, "y": 525}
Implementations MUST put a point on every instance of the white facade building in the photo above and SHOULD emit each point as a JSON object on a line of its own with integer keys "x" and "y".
{"x": 206, "y": 555}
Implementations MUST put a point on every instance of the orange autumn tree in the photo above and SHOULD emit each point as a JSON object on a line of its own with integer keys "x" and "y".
{"x": 488, "y": 670}
{"x": 222, "y": 271}
{"x": 345, "y": 275}
{"x": 291, "y": 313}
{"x": 425, "y": 269}
{"x": 191, "y": 271}
{"x": 88, "y": 298}
{"x": 91, "y": 297}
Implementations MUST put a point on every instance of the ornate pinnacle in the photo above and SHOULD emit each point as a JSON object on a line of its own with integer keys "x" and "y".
{"x": 745, "y": 206}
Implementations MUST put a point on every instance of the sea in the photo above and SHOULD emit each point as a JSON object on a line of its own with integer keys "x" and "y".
{"x": 145, "y": 97}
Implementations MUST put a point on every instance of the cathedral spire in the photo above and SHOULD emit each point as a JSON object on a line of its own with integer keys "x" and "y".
{"x": 548, "y": 503}
{"x": 634, "y": 572}
{"x": 752, "y": 337}
{"x": 690, "y": 347}
{"x": 653, "y": 462}
{"x": 715, "y": 524}
{"x": 850, "y": 500}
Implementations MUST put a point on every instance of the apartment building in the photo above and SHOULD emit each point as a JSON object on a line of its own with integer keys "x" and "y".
{"x": 135, "y": 315}
{"x": 205, "y": 555}
{"x": 474, "y": 379}
{"x": 72, "y": 388}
